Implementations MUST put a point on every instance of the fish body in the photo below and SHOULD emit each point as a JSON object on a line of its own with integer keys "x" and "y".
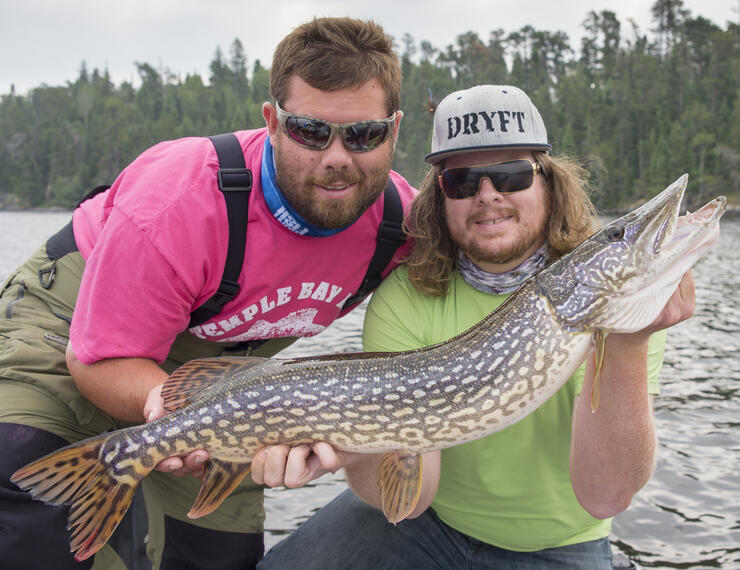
{"x": 401, "y": 404}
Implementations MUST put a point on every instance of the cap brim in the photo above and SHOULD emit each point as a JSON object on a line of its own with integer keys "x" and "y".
{"x": 435, "y": 157}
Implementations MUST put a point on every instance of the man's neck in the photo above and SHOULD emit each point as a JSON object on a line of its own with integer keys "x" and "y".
{"x": 502, "y": 281}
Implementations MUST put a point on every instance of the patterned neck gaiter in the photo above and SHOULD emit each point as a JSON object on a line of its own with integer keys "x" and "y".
{"x": 497, "y": 283}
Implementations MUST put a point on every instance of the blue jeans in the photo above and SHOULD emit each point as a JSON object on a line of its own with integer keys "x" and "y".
{"x": 349, "y": 534}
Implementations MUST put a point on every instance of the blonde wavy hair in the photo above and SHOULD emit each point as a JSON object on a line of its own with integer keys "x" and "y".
{"x": 433, "y": 256}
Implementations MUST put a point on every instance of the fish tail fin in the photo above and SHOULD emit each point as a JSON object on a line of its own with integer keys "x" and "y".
{"x": 76, "y": 475}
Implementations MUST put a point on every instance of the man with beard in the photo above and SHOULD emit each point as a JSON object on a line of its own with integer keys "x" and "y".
{"x": 494, "y": 209}
{"x": 139, "y": 259}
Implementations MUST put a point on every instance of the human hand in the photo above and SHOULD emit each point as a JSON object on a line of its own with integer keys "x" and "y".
{"x": 192, "y": 463}
{"x": 679, "y": 307}
{"x": 283, "y": 465}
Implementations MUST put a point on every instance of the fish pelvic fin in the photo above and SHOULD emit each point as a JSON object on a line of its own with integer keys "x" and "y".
{"x": 195, "y": 376}
{"x": 598, "y": 364}
{"x": 76, "y": 476}
{"x": 221, "y": 477}
{"x": 399, "y": 482}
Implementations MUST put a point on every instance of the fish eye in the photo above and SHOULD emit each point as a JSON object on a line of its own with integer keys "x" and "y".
{"x": 615, "y": 233}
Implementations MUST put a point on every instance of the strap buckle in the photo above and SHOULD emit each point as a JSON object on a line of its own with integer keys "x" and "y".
{"x": 391, "y": 232}
{"x": 235, "y": 179}
{"x": 226, "y": 290}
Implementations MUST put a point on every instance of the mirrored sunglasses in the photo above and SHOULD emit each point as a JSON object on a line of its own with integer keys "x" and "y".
{"x": 316, "y": 134}
{"x": 509, "y": 176}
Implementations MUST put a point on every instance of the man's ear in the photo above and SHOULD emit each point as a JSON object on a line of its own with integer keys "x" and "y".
{"x": 269, "y": 112}
{"x": 396, "y": 127}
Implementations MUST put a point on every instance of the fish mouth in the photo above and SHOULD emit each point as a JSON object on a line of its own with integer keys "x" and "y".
{"x": 666, "y": 246}
{"x": 661, "y": 230}
{"x": 623, "y": 276}
{"x": 707, "y": 216}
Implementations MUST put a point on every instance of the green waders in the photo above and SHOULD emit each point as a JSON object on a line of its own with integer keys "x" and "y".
{"x": 36, "y": 390}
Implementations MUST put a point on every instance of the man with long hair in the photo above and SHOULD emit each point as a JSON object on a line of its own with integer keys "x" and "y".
{"x": 494, "y": 209}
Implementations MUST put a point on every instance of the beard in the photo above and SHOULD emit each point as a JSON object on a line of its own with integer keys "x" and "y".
{"x": 330, "y": 213}
{"x": 503, "y": 250}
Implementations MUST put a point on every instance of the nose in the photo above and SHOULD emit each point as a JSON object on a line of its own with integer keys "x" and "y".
{"x": 336, "y": 155}
{"x": 487, "y": 191}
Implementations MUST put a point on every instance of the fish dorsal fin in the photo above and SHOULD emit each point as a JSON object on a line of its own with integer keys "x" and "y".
{"x": 197, "y": 375}
{"x": 598, "y": 363}
{"x": 220, "y": 478}
{"x": 399, "y": 483}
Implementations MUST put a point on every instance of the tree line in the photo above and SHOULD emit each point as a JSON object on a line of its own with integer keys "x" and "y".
{"x": 639, "y": 109}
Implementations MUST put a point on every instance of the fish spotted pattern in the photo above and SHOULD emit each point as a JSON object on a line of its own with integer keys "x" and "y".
{"x": 400, "y": 404}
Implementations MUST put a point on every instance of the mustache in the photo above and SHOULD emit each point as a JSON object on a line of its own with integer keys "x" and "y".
{"x": 337, "y": 177}
{"x": 493, "y": 214}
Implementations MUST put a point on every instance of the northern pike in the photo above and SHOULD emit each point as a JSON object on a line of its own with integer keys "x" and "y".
{"x": 399, "y": 404}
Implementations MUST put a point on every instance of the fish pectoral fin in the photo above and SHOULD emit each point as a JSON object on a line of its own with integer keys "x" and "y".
{"x": 598, "y": 363}
{"x": 220, "y": 478}
{"x": 399, "y": 483}
{"x": 195, "y": 376}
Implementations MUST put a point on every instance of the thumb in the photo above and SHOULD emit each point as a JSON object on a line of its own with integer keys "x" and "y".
{"x": 154, "y": 406}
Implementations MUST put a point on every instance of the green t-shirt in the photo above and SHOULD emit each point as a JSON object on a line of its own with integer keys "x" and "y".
{"x": 512, "y": 488}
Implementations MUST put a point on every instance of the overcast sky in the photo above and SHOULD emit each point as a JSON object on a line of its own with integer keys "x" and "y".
{"x": 45, "y": 41}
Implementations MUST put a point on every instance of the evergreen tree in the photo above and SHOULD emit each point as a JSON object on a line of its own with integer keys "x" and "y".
{"x": 638, "y": 111}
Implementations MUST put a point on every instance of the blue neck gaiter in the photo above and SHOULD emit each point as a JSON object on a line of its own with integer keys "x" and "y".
{"x": 279, "y": 205}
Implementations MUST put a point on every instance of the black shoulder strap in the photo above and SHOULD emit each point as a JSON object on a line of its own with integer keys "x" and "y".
{"x": 92, "y": 193}
{"x": 390, "y": 237}
{"x": 235, "y": 181}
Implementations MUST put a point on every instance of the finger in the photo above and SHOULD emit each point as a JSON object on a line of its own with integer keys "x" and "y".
{"x": 194, "y": 462}
{"x": 153, "y": 413}
{"x": 682, "y": 304}
{"x": 300, "y": 467}
{"x": 170, "y": 465}
{"x": 275, "y": 466}
{"x": 154, "y": 405}
{"x": 687, "y": 290}
{"x": 257, "y": 468}
{"x": 329, "y": 458}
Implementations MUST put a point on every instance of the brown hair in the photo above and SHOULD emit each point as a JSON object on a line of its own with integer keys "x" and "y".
{"x": 433, "y": 256}
{"x": 337, "y": 53}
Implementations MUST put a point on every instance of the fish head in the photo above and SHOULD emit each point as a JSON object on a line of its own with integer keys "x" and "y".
{"x": 620, "y": 279}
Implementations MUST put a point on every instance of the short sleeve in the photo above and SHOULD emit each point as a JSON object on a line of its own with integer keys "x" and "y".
{"x": 132, "y": 302}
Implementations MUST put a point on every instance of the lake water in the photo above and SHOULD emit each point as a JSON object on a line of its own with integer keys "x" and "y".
{"x": 688, "y": 515}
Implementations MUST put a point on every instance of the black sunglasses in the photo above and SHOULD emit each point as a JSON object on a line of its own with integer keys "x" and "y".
{"x": 509, "y": 176}
{"x": 316, "y": 134}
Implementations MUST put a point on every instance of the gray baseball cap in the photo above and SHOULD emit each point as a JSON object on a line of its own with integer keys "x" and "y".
{"x": 486, "y": 117}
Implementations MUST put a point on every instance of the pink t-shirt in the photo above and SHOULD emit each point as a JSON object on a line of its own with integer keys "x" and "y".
{"x": 155, "y": 247}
